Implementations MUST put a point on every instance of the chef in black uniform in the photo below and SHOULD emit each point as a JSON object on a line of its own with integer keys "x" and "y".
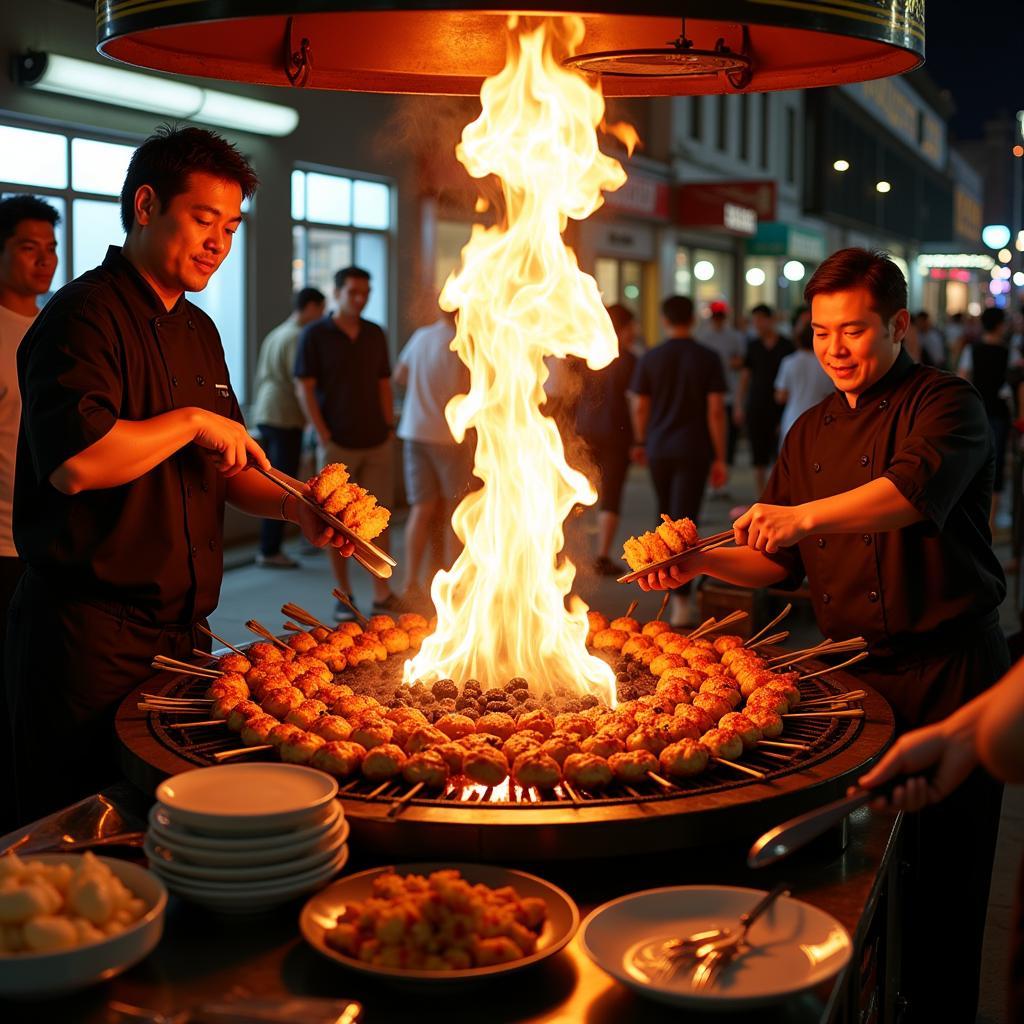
{"x": 881, "y": 498}
{"x": 131, "y": 442}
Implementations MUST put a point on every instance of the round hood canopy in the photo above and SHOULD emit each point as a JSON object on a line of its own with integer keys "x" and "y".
{"x": 639, "y": 49}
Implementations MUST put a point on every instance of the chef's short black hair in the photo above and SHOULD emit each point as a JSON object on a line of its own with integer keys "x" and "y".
{"x": 346, "y": 272}
{"x": 304, "y": 296}
{"x": 862, "y": 268}
{"x": 15, "y": 209}
{"x": 677, "y": 310}
{"x": 166, "y": 159}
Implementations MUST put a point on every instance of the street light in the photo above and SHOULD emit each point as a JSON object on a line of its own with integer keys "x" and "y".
{"x": 841, "y": 165}
{"x": 1004, "y": 255}
{"x": 794, "y": 270}
{"x": 995, "y": 236}
{"x": 883, "y": 187}
{"x": 755, "y": 277}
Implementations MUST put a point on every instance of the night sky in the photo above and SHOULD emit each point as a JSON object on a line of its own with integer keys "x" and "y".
{"x": 975, "y": 52}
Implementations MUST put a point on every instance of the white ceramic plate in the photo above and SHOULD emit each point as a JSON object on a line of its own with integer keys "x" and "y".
{"x": 239, "y": 853}
{"x": 166, "y": 827}
{"x": 795, "y": 946}
{"x": 172, "y": 863}
{"x": 255, "y": 900}
{"x": 322, "y": 910}
{"x": 28, "y": 975}
{"x": 232, "y": 799}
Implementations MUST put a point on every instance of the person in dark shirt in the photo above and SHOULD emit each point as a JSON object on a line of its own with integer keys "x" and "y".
{"x": 755, "y": 407}
{"x": 881, "y": 499}
{"x": 985, "y": 363}
{"x": 343, "y": 381}
{"x": 131, "y": 442}
{"x": 602, "y": 421}
{"x": 678, "y": 406}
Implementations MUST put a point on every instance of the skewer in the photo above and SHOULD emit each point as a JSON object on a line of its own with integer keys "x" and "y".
{"x": 664, "y": 605}
{"x": 293, "y": 627}
{"x": 664, "y": 783}
{"x": 785, "y": 659}
{"x": 775, "y": 638}
{"x": 185, "y": 668}
{"x": 741, "y": 768}
{"x": 839, "y": 647}
{"x": 260, "y": 630}
{"x": 835, "y": 668}
{"x": 703, "y": 626}
{"x": 717, "y": 544}
{"x": 227, "y": 755}
{"x": 180, "y": 671}
{"x": 631, "y": 609}
{"x": 300, "y": 614}
{"x": 848, "y": 713}
{"x": 776, "y": 757}
{"x": 173, "y": 709}
{"x": 573, "y": 795}
{"x": 716, "y": 625}
{"x": 173, "y": 702}
{"x": 198, "y": 725}
{"x": 399, "y": 804}
{"x": 836, "y": 698}
{"x": 771, "y": 625}
{"x": 343, "y": 598}
{"x": 783, "y": 745}
{"x": 213, "y": 636}
{"x": 206, "y": 655}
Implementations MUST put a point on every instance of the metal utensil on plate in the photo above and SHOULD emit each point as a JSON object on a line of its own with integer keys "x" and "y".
{"x": 704, "y": 544}
{"x": 367, "y": 554}
{"x": 716, "y": 955}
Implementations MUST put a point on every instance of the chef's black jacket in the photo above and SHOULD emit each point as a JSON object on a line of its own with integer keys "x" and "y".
{"x": 105, "y": 348}
{"x": 912, "y": 589}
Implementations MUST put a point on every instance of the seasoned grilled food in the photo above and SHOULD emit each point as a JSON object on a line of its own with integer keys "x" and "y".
{"x": 672, "y": 537}
{"x": 354, "y": 505}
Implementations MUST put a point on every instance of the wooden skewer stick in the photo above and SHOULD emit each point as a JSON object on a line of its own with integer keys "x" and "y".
{"x": 206, "y": 655}
{"x": 776, "y": 757}
{"x": 782, "y": 745}
{"x": 156, "y": 698}
{"x": 771, "y": 625}
{"x": 700, "y": 629}
{"x": 717, "y": 544}
{"x": 835, "y": 698}
{"x": 196, "y": 708}
{"x": 753, "y": 772}
{"x": 227, "y": 755}
{"x": 847, "y": 713}
{"x": 198, "y": 725}
{"x": 808, "y": 652}
{"x": 293, "y": 627}
{"x": 664, "y": 605}
{"x": 631, "y": 609}
{"x": 775, "y": 638}
{"x": 219, "y": 639}
{"x": 166, "y": 660}
{"x": 260, "y": 630}
{"x": 664, "y": 783}
{"x": 301, "y": 615}
{"x": 400, "y": 803}
{"x": 573, "y": 795}
{"x": 164, "y": 666}
{"x": 720, "y": 624}
{"x": 344, "y": 599}
{"x": 835, "y": 668}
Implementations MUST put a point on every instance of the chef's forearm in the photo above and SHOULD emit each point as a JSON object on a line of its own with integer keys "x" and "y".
{"x": 742, "y": 567}
{"x": 257, "y": 496}
{"x": 871, "y": 508}
{"x": 999, "y": 737}
{"x": 130, "y": 449}
{"x": 305, "y": 391}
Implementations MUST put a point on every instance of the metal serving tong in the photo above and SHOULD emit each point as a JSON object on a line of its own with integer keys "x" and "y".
{"x": 791, "y": 835}
{"x": 367, "y": 554}
{"x": 703, "y": 544}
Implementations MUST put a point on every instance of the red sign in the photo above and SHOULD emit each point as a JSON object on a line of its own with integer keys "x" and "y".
{"x": 715, "y": 204}
{"x": 643, "y": 195}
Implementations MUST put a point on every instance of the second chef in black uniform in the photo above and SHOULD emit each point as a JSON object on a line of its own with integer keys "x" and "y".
{"x": 881, "y": 498}
{"x": 131, "y": 443}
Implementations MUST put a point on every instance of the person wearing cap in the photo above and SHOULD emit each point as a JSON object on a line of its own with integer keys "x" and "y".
{"x": 719, "y": 335}
{"x": 880, "y": 498}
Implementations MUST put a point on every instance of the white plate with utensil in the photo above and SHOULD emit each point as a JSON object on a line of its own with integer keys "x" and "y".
{"x": 792, "y": 948}
{"x": 247, "y": 799}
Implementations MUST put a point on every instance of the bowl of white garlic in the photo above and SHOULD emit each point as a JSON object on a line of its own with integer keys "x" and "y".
{"x": 68, "y": 921}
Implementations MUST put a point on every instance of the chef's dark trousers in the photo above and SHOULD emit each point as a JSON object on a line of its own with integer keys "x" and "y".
{"x": 283, "y": 446}
{"x": 679, "y": 486}
{"x": 950, "y": 847}
{"x": 69, "y": 663}
{"x": 10, "y": 572}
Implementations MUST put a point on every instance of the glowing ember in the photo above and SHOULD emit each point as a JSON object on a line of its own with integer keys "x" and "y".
{"x": 521, "y": 297}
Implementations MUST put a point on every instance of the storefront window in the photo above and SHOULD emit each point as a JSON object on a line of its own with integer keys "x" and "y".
{"x": 683, "y": 274}
{"x": 760, "y": 282}
{"x": 712, "y": 278}
{"x": 451, "y": 239}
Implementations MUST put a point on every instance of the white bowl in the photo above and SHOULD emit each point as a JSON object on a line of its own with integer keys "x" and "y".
{"x": 247, "y": 799}
{"x": 242, "y": 853}
{"x": 173, "y": 863}
{"x": 28, "y": 975}
{"x": 165, "y": 827}
{"x": 254, "y": 898}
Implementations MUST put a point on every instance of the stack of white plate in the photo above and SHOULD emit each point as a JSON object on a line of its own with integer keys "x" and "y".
{"x": 244, "y": 838}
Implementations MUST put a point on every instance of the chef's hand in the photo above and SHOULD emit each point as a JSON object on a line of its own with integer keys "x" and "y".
{"x": 315, "y": 530}
{"x": 770, "y": 527}
{"x": 666, "y": 579}
{"x": 945, "y": 750}
{"x": 226, "y": 441}
{"x": 719, "y": 473}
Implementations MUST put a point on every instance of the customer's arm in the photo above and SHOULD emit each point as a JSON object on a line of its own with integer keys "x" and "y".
{"x": 305, "y": 391}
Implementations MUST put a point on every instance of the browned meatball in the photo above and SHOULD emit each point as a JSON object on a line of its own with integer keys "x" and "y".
{"x": 332, "y": 728}
{"x": 723, "y": 743}
{"x": 338, "y": 758}
{"x": 535, "y": 769}
{"x": 497, "y": 724}
{"x": 383, "y": 762}
{"x": 428, "y": 767}
{"x": 485, "y": 766}
{"x": 633, "y": 766}
{"x": 683, "y": 759}
{"x": 587, "y": 770}
{"x": 455, "y": 726}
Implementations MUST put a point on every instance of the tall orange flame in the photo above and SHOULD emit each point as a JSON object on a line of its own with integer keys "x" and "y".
{"x": 521, "y": 297}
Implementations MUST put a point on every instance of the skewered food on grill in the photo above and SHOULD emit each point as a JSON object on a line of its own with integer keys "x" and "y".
{"x": 559, "y": 745}
{"x": 338, "y": 757}
{"x": 332, "y": 728}
{"x": 625, "y": 623}
{"x": 610, "y": 639}
{"x": 768, "y": 722}
{"x": 723, "y": 743}
{"x": 603, "y": 744}
{"x": 455, "y": 726}
{"x": 587, "y": 770}
{"x": 301, "y": 748}
{"x": 537, "y": 720}
{"x": 741, "y": 724}
{"x": 373, "y": 733}
{"x": 497, "y": 723}
{"x": 383, "y": 762}
{"x": 428, "y": 767}
{"x": 306, "y": 713}
{"x": 535, "y": 768}
{"x": 520, "y": 743}
{"x": 486, "y": 766}
{"x": 633, "y": 766}
{"x": 356, "y": 508}
{"x": 683, "y": 759}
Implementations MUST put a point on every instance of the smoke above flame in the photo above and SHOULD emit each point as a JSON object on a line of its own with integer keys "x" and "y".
{"x": 521, "y": 297}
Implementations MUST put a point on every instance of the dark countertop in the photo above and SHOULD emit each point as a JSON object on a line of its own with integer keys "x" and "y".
{"x": 203, "y": 957}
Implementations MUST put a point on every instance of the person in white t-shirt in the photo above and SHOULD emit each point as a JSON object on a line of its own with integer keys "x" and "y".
{"x": 437, "y": 469}
{"x": 28, "y": 260}
{"x": 801, "y": 382}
